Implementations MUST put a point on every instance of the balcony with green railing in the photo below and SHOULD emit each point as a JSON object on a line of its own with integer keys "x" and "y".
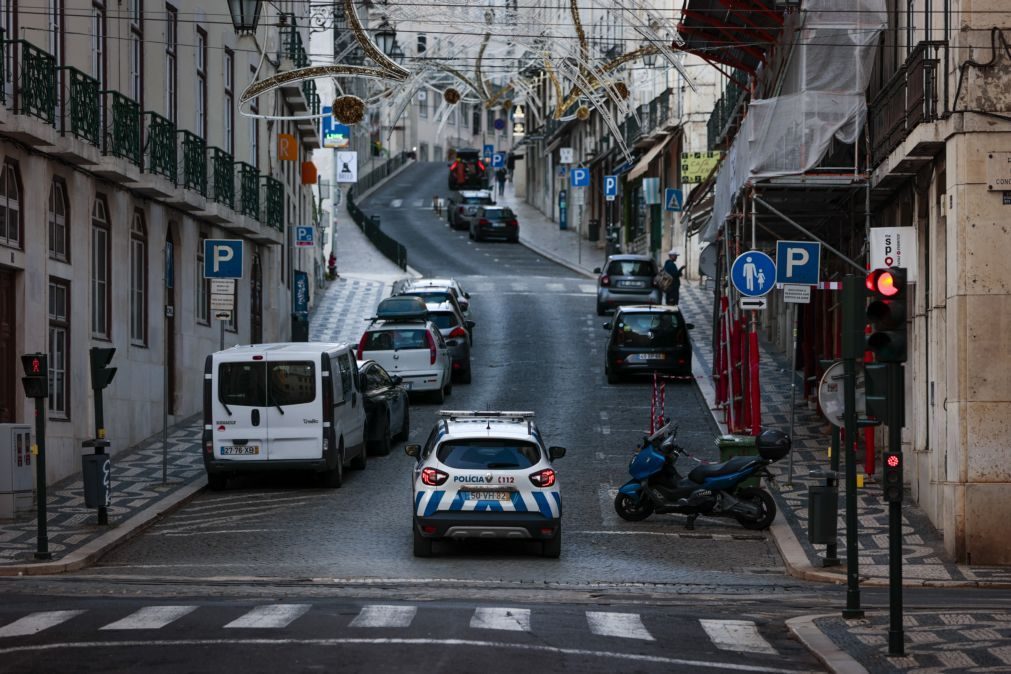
{"x": 311, "y": 97}
{"x": 249, "y": 190}
{"x": 122, "y": 127}
{"x": 273, "y": 203}
{"x": 35, "y": 82}
{"x": 292, "y": 46}
{"x": 718, "y": 128}
{"x": 161, "y": 153}
{"x": 221, "y": 167}
{"x": 84, "y": 107}
{"x": 194, "y": 162}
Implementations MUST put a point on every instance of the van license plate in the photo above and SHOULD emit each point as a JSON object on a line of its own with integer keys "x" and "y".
{"x": 239, "y": 450}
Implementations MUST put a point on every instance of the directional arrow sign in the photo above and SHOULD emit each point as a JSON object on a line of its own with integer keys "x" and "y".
{"x": 753, "y": 303}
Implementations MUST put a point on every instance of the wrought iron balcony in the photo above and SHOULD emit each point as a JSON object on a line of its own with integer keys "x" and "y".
{"x": 249, "y": 190}
{"x": 34, "y": 81}
{"x": 291, "y": 42}
{"x": 311, "y": 97}
{"x": 273, "y": 211}
{"x": 222, "y": 174}
{"x": 85, "y": 106}
{"x": 122, "y": 127}
{"x": 721, "y": 122}
{"x": 194, "y": 162}
{"x": 161, "y": 154}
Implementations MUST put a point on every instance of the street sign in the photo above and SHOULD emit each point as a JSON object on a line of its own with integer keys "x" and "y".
{"x": 610, "y": 187}
{"x": 673, "y": 199}
{"x": 566, "y": 155}
{"x": 223, "y": 315}
{"x": 304, "y": 235}
{"x": 489, "y": 151}
{"x": 222, "y": 258}
{"x": 580, "y": 177}
{"x": 753, "y": 273}
{"x": 894, "y": 247}
{"x": 498, "y": 160}
{"x": 499, "y": 124}
{"x": 798, "y": 262}
{"x": 830, "y": 394}
{"x": 797, "y": 294}
{"x": 334, "y": 135}
{"x": 222, "y": 302}
{"x": 222, "y": 286}
{"x": 753, "y": 303}
{"x": 347, "y": 166}
{"x": 696, "y": 166}
{"x": 651, "y": 191}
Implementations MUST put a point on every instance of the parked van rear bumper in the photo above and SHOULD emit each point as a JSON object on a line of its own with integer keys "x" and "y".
{"x": 227, "y": 467}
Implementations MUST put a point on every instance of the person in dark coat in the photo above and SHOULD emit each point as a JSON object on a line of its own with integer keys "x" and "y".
{"x": 671, "y": 267}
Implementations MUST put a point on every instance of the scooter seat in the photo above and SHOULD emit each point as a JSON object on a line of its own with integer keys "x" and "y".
{"x": 734, "y": 465}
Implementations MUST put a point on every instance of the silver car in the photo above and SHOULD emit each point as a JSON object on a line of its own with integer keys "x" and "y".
{"x": 626, "y": 279}
{"x": 455, "y": 330}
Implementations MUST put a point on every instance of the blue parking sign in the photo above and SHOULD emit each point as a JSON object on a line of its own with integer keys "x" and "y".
{"x": 498, "y": 160}
{"x": 798, "y": 262}
{"x": 580, "y": 177}
{"x": 304, "y": 235}
{"x": 610, "y": 186}
{"x": 222, "y": 258}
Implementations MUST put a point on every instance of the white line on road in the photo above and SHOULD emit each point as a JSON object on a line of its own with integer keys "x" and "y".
{"x": 623, "y": 625}
{"x": 396, "y": 203}
{"x": 555, "y": 286}
{"x": 270, "y": 616}
{"x": 36, "y": 622}
{"x": 384, "y": 616}
{"x": 150, "y": 618}
{"x": 737, "y": 635}
{"x": 588, "y": 289}
{"x": 512, "y": 619}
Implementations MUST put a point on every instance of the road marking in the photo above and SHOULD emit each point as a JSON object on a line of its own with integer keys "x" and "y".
{"x": 600, "y": 456}
{"x": 36, "y": 622}
{"x": 737, "y": 635}
{"x": 605, "y": 427}
{"x": 519, "y": 287}
{"x": 588, "y": 289}
{"x": 150, "y": 618}
{"x": 384, "y": 616}
{"x": 556, "y": 287}
{"x": 512, "y": 619}
{"x": 396, "y": 203}
{"x": 270, "y": 616}
{"x": 622, "y": 625}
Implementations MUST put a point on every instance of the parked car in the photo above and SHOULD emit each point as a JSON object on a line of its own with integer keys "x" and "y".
{"x": 467, "y": 171}
{"x": 456, "y": 331}
{"x": 462, "y": 297}
{"x": 434, "y": 296}
{"x": 647, "y": 339}
{"x": 626, "y": 279}
{"x": 496, "y": 222}
{"x": 464, "y": 204}
{"x": 387, "y": 408}
{"x": 486, "y": 475}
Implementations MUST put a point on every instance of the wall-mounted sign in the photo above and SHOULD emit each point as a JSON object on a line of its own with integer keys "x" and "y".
{"x": 287, "y": 147}
{"x": 347, "y": 167}
{"x": 696, "y": 166}
{"x": 998, "y": 171}
{"x": 894, "y": 247}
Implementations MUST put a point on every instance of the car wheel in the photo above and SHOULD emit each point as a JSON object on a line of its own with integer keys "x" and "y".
{"x": 422, "y": 545}
{"x": 553, "y": 546}
{"x": 465, "y": 375}
{"x": 405, "y": 428}
{"x": 612, "y": 376}
{"x": 217, "y": 481}
{"x": 600, "y": 309}
{"x": 359, "y": 462}
{"x": 439, "y": 396}
{"x": 385, "y": 441}
{"x": 334, "y": 478}
{"x": 514, "y": 239}
{"x": 449, "y": 385}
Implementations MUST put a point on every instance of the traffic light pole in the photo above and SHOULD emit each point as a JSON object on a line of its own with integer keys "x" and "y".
{"x": 42, "y": 545}
{"x": 852, "y": 301}
{"x": 832, "y": 549}
{"x": 99, "y": 445}
{"x": 896, "y": 399}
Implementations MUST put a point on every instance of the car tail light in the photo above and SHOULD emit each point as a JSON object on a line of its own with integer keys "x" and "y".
{"x": 512, "y": 223}
{"x": 681, "y": 361}
{"x": 453, "y": 167}
{"x": 458, "y": 332}
{"x": 619, "y": 361}
{"x": 484, "y": 221}
{"x": 480, "y": 165}
{"x": 543, "y": 478}
{"x": 428, "y": 528}
{"x": 605, "y": 280}
{"x": 433, "y": 477}
{"x": 208, "y": 444}
{"x": 361, "y": 345}
{"x": 431, "y": 348}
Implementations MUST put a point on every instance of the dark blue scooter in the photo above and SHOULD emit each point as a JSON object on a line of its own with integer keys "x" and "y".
{"x": 710, "y": 489}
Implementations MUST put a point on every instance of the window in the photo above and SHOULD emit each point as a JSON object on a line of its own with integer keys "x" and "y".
{"x": 229, "y": 102}
{"x": 137, "y": 52}
{"x": 98, "y": 45}
{"x": 490, "y": 120}
{"x": 100, "y": 268}
{"x": 422, "y": 45}
{"x": 59, "y": 348}
{"x": 423, "y": 103}
{"x": 201, "y": 59}
{"x": 254, "y": 126}
{"x": 10, "y": 205}
{"x": 171, "y": 70}
{"x": 477, "y": 120}
{"x": 138, "y": 280}
{"x": 203, "y": 286}
{"x": 59, "y": 234}
{"x": 481, "y": 454}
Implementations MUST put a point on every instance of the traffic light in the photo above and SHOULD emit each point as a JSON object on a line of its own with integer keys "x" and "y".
{"x": 101, "y": 376}
{"x": 36, "y": 379}
{"x": 887, "y": 314}
{"x": 876, "y": 391}
{"x": 892, "y": 476}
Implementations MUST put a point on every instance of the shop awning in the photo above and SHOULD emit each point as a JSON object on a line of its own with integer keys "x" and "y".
{"x": 643, "y": 164}
{"x": 734, "y": 33}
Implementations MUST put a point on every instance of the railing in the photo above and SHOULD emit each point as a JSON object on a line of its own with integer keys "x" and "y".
{"x": 311, "y": 97}
{"x": 85, "y": 106}
{"x": 35, "y": 92}
{"x": 908, "y": 99}
{"x": 222, "y": 173}
{"x": 194, "y": 161}
{"x": 273, "y": 203}
{"x": 122, "y": 133}
{"x": 291, "y": 42}
{"x": 386, "y": 244}
{"x": 249, "y": 190}
{"x": 725, "y": 110}
{"x": 161, "y": 153}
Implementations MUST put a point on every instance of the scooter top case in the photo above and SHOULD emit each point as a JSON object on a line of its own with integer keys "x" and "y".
{"x": 725, "y": 475}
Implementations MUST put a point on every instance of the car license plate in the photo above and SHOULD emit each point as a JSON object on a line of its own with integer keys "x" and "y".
{"x": 652, "y": 356}
{"x": 631, "y": 284}
{"x": 240, "y": 450}
{"x": 497, "y": 225}
{"x": 488, "y": 495}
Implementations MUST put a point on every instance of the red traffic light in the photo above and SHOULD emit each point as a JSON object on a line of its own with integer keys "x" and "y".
{"x": 892, "y": 460}
{"x": 884, "y": 282}
{"x": 36, "y": 366}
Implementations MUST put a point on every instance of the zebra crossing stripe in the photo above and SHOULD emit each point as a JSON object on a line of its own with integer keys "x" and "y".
{"x": 588, "y": 289}
{"x": 36, "y": 622}
{"x": 150, "y": 618}
{"x": 270, "y": 616}
{"x": 511, "y": 619}
{"x": 556, "y": 287}
{"x": 384, "y": 616}
{"x": 622, "y": 625}
{"x": 737, "y": 635}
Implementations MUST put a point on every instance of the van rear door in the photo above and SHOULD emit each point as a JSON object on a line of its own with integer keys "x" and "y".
{"x": 238, "y": 408}
{"x": 294, "y": 408}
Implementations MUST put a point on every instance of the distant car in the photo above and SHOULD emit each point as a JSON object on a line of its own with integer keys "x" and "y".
{"x": 456, "y": 331}
{"x": 496, "y": 222}
{"x": 647, "y": 339}
{"x": 412, "y": 348}
{"x": 486, "y": 475}
{"x": 626, "y": 279}
{"x": 434, "y": 296}
{"x": 387, "y": 408}
{"x": 462, "y": 296}
{"x": 467, "y": 171}
{"x": 464, "y": 204}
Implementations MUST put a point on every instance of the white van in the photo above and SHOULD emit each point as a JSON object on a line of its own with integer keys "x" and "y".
{"x": 287, "y": 406}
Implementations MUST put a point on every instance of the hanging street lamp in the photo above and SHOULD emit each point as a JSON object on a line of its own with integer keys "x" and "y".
{"x": 386, "y": 37}
{"x": 245, "y": 15}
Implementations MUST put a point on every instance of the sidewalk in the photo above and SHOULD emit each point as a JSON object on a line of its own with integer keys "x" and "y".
{"x": 949, "y": 639}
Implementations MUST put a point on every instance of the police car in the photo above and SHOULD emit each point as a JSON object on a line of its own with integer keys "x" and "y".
{"x": 486, "y": 475}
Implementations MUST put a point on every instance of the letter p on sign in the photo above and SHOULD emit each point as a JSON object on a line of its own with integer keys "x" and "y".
{"x": 797, "y": 257}
{"x": 221, "y": 254}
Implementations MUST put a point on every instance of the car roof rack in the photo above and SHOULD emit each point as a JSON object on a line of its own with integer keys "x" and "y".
{"x": 447, "y": 415}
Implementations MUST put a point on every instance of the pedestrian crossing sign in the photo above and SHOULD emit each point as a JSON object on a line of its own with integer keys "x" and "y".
{"x": 673, "y": 199}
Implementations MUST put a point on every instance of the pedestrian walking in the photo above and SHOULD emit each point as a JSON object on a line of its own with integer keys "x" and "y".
{"x": 500, "y": 177}
{"x": 671, "y": 268}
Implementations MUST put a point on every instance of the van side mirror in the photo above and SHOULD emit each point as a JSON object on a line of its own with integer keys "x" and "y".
{"x": 556, "y": 452}
{"x": 412, "y": 450}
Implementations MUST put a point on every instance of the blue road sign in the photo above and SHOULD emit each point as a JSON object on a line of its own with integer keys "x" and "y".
{"x": 499, "y": 124}
{"x": 489, "y": 150}
{"x": 304, "y": 235}
{"x": 222, "y": 258}
{"x": 498, "y": 160}
{"x": 580, "y": 177}
{"x": 798, "y": 262}
{"x": 610, "y": 186}
{"x": 753, "y": 273}
{"x": 333, "y": 134}
{"x": 673, "y": 199}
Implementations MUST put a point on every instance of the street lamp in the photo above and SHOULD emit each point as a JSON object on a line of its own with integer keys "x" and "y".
{"x": 245, "y": 15}
{"x": 649, "y": 58}
{"x": 386, "y": 37}
{"x": 397, "y": 54}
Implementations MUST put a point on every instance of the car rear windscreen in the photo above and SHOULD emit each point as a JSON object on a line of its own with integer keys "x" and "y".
{"x": 631, "y": 268}
{"x": 646, "y": 329}
{"x": 444, "y": 320}
{"x": 431, "y": 296}
{"x": 390, "y": 340}
{"x": 488, "y": 454}
{"x": 243, "y": 384}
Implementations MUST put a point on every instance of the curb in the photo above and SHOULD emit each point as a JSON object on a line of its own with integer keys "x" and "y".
{"x": 823, "y": 648}
{"x": 554, "y": 258}
{"x": 93, "y": 551}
